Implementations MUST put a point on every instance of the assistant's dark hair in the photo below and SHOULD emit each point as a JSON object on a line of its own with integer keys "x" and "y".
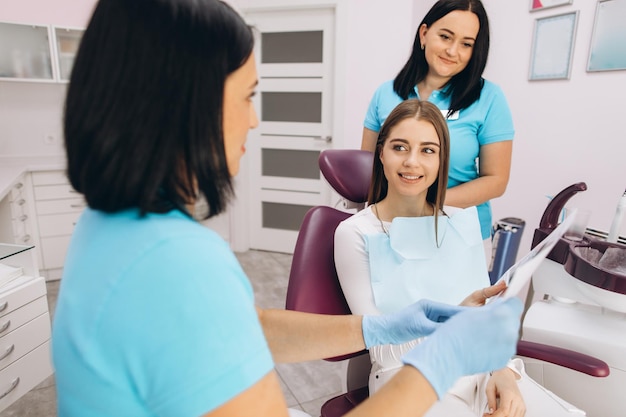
{"x": 418, "y": 110}
{"x": 465, "y": 87}
{"x": 143, "y": 112}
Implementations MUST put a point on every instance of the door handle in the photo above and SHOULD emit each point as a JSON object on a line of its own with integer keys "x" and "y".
{"x": 5, "y": 326}
{"x": 7, "y": 351}
{"x": 326, "y": 139}
{"x": 11, "y": 387}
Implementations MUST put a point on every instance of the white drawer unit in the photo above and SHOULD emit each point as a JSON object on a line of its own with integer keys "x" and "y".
{"x": 58, "y": 207}
{"x": 24, "y": 374}
{"x": 22, "y": 211}
{"x": 24, "y": 328}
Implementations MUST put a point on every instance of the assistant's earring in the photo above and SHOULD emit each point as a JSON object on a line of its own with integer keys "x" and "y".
{"x": 422, "y": 46}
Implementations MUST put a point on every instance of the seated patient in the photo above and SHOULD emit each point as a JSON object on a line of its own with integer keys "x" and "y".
{"x": 406, "y": 246}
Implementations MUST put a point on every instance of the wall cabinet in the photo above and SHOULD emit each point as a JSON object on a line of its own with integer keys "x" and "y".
{"x": 37, "y": 53}
{"x": 24, "y": 327}
{"x": 65, "y": 47}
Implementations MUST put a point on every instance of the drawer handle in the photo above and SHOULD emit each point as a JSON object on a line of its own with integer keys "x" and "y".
{"x": 21, "y": 202}
{"x": 5, "y": 326}
{"x": 11, "y": 388}
{"x": 18, "y": 185}
{"x": 4, "y": 306}
{"x": 23, "y": 217}
{"x": 78, "y": 205}
{"x": 26, "y": 238}
{"x": 7, "y": 352}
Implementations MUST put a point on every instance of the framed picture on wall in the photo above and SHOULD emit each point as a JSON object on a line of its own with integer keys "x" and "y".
{"x": 544, "y": 4}
{"x": 608, "y": 40}
{"x": 553, "y": 47}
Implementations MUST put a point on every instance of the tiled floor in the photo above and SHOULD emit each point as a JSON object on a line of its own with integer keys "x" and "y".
{"x": 306, "y": 385}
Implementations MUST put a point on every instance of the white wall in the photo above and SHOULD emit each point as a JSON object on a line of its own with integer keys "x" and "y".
{"x": 73, "y": 13}
{"x": 566, "y": 131}
{"x": 31, "y": 111}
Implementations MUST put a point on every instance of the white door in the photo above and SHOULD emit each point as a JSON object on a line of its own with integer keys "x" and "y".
{"x": 294, "y": 52}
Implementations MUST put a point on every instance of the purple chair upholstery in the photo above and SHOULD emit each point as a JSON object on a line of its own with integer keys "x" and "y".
{"x": 564, "y": 357}
{"x": 314, "y": 286}
{"x": 348, "y": 171}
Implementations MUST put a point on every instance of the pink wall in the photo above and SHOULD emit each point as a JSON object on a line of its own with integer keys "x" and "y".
{"x": 72, "y": 13}
{"x": 566, "y": 130}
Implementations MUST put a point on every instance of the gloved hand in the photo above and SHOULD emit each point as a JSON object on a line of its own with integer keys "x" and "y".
{"x": 480, "y": 339}
{"x": 417, "y": 320}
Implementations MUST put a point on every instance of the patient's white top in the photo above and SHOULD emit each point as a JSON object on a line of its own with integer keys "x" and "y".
{"x": 405, "y": 266}
{"x": 382, "y": 274}
{"x": 408, "y": 265}
{"x": 354, "y": 238}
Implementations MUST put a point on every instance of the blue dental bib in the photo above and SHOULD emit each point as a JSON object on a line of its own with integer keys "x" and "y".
{"x": 413, "y": 263}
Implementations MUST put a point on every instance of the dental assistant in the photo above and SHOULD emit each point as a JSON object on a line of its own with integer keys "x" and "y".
{"x": 445, "y": 67}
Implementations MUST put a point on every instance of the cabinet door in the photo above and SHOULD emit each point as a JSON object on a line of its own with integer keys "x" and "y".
{"x": 24, "y": 374}
{"x": 66, "y": 45}
{"x": 36, "y": 52}
{"x": 58, "y": 207}
{"x": 25, "y": 52}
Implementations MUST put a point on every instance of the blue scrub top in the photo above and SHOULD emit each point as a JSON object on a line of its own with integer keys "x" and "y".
{"x": 155, "y": 317}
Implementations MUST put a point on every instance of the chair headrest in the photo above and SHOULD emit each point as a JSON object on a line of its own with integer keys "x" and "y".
{"x": 348, "y": 171}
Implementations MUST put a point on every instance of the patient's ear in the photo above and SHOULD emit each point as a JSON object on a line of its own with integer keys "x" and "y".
{"x": 422, "y": 34}
{"x": 380, "y": 155}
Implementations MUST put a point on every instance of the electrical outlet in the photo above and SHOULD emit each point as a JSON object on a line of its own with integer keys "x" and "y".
{"x": 49, "y": 139}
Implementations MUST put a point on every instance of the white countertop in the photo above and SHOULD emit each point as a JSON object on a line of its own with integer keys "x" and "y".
{"x": 12, "y": 167}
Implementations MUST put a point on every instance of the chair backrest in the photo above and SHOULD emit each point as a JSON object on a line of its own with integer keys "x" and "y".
{"x": 313, "y": 283}
{"x": 348, "y": 171}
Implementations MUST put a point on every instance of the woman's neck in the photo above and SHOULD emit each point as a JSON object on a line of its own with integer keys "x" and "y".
{"x": 390, "y": 208}
{"x": 430, "y": 84}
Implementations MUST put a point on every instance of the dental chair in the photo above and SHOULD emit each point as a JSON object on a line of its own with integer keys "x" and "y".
{"x": 314, "y": 286}
{"x": 578, "y": 301}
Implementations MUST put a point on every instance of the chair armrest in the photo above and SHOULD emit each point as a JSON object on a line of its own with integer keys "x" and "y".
{"x": 563, "y": 357}
{"x": 346, "y": 356}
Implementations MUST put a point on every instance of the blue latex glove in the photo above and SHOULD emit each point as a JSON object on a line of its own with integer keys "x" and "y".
{"x": 417, "y": 320}
{"x": 480, "y": 339}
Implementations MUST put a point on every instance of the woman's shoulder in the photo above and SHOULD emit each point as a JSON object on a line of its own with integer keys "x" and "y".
{"x": 490, "y": 88}
{"x": 362, "y": 221}
{"x": 492, "y": 106}
{"x": 384, "y": 88}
